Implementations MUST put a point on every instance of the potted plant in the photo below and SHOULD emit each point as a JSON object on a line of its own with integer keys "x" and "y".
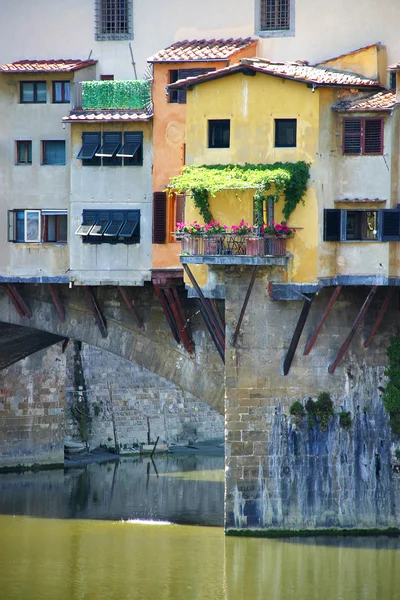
{"x": 275, "y": 236}
{"x": 252, "y": 238}
{"x": 190, "y": 236}
{"x": 213, "y": 237}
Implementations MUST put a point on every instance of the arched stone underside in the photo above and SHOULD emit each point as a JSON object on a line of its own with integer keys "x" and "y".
{"x": 154, "y": 348}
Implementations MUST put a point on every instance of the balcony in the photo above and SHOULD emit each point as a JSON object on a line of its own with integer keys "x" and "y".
{"x": 112, "y": 95}
{"x": 233, "y": 249}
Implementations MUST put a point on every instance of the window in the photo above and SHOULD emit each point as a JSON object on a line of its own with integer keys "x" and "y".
{"x": 392, "y": 80}
{"x": 110, "y": 226}
{"x": 361, "y": 225}
{"x": 285, "y": 133}
{"x": 219, "y": 131}
{"x": 33, "y": 92}
{"x": 37, "y": 226}
{"x": 179, "y": 96}
{"x": 363, "y": 136}
{"x": 61, "y": 91}
{"x": 275, "y": 18}
{"x": 117, "y": 149}
{"x": 53, "y": 152}
{"x": 267, "y": 212}
{"x": 113, "y": 19}
{"x": 24, "y": 152}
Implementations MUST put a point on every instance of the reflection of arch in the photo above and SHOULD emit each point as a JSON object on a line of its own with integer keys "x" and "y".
{"x": 154, "y": 348}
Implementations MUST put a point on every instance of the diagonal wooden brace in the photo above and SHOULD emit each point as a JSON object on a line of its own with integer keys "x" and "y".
{"x": 56, "y": 300}
{"x": 98, "y": 316}
{"x": 19, "y": 303}
{"x": 296, "y": 335}
{"x": 167, "y": 313}
{"x": 379, "y": 318}
{"x": 318, "y": 328}
{"x": 180, "y": 319}
{"x": 246, "y": 300}
{"x": 131, "y": 308}
{"x": 347, "y": 341}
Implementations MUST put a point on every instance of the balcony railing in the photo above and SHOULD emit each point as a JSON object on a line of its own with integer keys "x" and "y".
{"x": 226, "y": 248}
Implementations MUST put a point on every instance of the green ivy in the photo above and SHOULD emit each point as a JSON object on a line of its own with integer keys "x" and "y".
{"x": 97, "y": 95}
{"x": 289, "y": 179}
{"x": 320, "y": 410}
{"x": 391, "y": 395}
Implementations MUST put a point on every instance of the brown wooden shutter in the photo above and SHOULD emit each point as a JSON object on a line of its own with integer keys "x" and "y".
{"x": 159, "y": 217}
{"x": 373, "y": 136}
{"x": 180, "y": 208}
{"x": 391, "y": 225}
{"x": 352, "y": 136}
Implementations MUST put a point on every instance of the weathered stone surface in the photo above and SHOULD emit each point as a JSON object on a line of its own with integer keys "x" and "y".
{"x": 32, "y": 396}
{"x": 299, "y": 476}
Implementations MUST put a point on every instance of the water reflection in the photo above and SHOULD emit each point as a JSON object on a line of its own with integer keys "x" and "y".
{"x": 102, "y": 560}
{"x": 177, "y": 488}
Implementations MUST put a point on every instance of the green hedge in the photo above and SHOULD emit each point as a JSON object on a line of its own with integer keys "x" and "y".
{"x": 97, "y": 95}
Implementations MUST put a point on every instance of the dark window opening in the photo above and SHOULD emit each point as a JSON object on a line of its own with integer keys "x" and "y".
{"x": 61, "y": 92}
{"x": 358, "y": 225}
{"x": 24, "y": 152}
{"x": 114, "y": 151}
{"x": 179, "y": 96}
{"x": 33, "y": 92}
{"x": 219, "y": 131}
{"x": 112, "y": 141}
{"x": 392, "y": 80}
{"x": 113, "y": 19}
{"x": 53, "y": 152}
{"x": 132, "y": 150}
{"x": 285, "y": 133}
{"x": 106, "y": 77}
{"x": 363, "y": 136}
{"x": 41, "y": 226}
{"x": 110, "y": 226}
{"x": 275, "y": 15}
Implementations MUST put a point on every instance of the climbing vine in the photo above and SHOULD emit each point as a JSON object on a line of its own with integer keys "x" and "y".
{"x": 134, "y": 94}
{"x": 391, "y": 395}
{"x": 289, "y": 179}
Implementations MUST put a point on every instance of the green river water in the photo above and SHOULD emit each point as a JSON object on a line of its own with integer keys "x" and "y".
{"x": 114, "y": 532}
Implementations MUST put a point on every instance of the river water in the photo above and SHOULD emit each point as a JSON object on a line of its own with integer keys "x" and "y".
{"x": 137, "y": 530}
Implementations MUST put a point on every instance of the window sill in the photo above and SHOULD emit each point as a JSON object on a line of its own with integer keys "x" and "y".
{"x": 274, "y": 33}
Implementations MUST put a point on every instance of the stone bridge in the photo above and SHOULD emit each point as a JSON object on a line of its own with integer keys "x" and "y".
{"x": 129, "y": 322}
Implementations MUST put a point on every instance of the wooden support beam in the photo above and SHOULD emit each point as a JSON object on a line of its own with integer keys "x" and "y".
{"x": 347, "y": 342}
{"x": 379, "y": 318}
{"x": 98, "y": 316}
{"x": 56, "y": 300}
{"x": 296, "y": 335}
{"x": 211, "y": 329}
{"x": 246, "y": 300}
{"x": 187, "y": 332}
{"x": 180, "y": 319}
{"x": 221, "y": 320}
{"x": 64, "y": 344}
{"x": 131, "y": 308}
{"x": 19, "y": 303}
{"x": 318, "y": 328}
{"x": 167, "y": 313}
{"x": 209, "y": 317}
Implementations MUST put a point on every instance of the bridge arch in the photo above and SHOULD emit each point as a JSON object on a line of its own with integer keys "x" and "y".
{"x": 154, "y": 348}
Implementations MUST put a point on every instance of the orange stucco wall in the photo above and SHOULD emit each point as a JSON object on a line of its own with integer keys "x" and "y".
{"x": 169, "y": 136}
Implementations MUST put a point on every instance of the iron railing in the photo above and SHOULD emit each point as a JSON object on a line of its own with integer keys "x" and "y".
{"x": 231, "y": 244}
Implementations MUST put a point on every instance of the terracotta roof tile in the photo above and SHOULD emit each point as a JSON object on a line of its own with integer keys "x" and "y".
{"x": 296, "y": 71}
{"x": 394, "y": 67}
{"x": 201, "y": 50}
{"x": 382, "y": 101}
{"x": 77, "y": 116}
{"x": 47, "y": 66}
{"x": 359, "y": 200}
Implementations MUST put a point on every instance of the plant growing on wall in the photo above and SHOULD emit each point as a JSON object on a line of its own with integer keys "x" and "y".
{"x": 97, "y": 95}
{"x": 391, "y": 395}
{"x": 345, "y": 419}
{"x": 320, "y": 410}
{"x": 287, "y": 179}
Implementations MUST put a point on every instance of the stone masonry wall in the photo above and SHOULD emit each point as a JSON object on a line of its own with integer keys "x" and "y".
{"x": 137, "y": 394}
{"x": 284, "y": 473}
{"x": 32, "y": 395}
